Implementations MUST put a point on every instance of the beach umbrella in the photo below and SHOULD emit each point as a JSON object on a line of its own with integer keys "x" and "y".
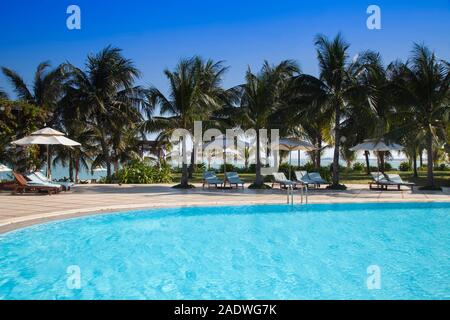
{"x": 4, "y": 168}
{"x": 293, "y": 144}
{"x": 99, "y": 169}
{"x": 47, "y": 136}
{"x": 378, "y": 145}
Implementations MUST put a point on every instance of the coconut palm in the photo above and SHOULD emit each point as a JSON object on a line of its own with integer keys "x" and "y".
{"x": 421, "y": 87}
{"x": 194, "y": 94}
{"x": 3, "y": 94}
{"x": 262, "y": 98}
{"x": 46, "y": 90}
{"x": 105, "y": 97}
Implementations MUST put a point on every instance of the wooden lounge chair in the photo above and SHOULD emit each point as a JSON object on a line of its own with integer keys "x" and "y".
{"x": 23, "y": 185}
{"x": 210, "y": 178}
{"x": 281, "y": 179}
{"x": 397, "y": 180}
{"x": 233, "y": 179}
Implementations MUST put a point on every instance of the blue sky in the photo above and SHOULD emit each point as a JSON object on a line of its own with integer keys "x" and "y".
{"x": 155, "y": 34}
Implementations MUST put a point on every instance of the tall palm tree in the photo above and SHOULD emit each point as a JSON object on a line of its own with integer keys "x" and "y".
{"x": 46, "y": 89}
{"x": 194, "y": 94}
{"x": 106, "y": 97}
{"x": 421, "y": 87}
{"x": 339, "y": 77}
{"x": 262, "y": 97}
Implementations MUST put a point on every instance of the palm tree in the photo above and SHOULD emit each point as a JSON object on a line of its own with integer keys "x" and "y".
{"x": 195, "y": 93}
{"x": 104, "y": 94}
{"x": 421, "y": 87}
{"x": 336, "y": 78}
{"x": 3, "y": 94}
{"x": 46, "y": 90}
{"x": 262, "y": 98}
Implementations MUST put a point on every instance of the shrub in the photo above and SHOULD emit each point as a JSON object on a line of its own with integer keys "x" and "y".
{"x": 230, "y": 167}
{"x": 142, "y": 173}
{"x": 405, "y": 166}
{"x": 201, "y": 167}
{"x": 442, "y": 167}
{"x": 387, "y": 166}
{"x": 358, "y": 166}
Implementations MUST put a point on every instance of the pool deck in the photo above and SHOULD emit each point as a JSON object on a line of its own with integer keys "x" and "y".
{"x": 17, "y": 211}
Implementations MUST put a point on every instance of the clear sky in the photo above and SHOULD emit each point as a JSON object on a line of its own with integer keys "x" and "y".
{"x": 155, "y": 34}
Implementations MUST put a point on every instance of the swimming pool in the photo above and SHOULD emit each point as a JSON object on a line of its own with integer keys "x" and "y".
{"x": 343, "y": 251}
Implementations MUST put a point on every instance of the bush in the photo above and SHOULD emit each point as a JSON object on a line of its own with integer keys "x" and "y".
{"x": 201, "y": 167}
{"x": 358, "y": 166}
{"x": 442, "y": 167}
{"x": 142, "y": 173}
{"x": 405, "y": 166}
{"x": 230, "y": 167}
{"x": 387, "y": 166}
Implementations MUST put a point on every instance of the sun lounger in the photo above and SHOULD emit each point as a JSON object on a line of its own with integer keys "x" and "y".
{"x": 397, "y": 180}
{"x": 316, "y": 177}
{"x": 281, "y": 179}
{"x": 210, "y": 178}
{"x": 302, "y": 177}
{"x": 233, "y": 179}
{"x": 24, "y": 185}
{"x": 66, "y": 185}
{"x": 380, "y": 180}
{"x": 34, "y": 179}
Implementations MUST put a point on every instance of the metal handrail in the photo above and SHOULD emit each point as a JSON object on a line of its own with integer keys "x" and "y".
{"x": 290, "y": 194}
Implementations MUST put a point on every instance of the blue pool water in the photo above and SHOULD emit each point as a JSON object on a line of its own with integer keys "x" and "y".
{"x": 241, "y": 252}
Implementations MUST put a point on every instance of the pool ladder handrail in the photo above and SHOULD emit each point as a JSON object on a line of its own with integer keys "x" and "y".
{"x": 303, "y": 193}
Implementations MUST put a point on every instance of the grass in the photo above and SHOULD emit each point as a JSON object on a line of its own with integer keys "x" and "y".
{"x": 442, "y": 178}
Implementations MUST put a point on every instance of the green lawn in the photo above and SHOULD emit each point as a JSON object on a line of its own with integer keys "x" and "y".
{"x": 442, "y": 177}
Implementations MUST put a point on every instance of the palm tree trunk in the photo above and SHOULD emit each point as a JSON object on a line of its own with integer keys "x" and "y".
{"x": 116, "y": 166}
{"x": 318, "y": 152}
{"x": 366, "y": 155}
{"x": 184, "y": 171}
{"x": 430, "y": 174}
{"x": 258, "y": 180}
{"x": 337, "y": 143}
{"x": 77, "y": 169}
{"x": 415, "y": 164}
{"x": 70, "y": 167}
{"x": 191, "y": 164}
{"x": 380, "y": 155}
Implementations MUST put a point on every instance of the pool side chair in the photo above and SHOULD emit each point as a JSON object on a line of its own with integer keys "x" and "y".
{"x": 380, "y": 180}
{"x": 317, "y": 178}
{"x": 23, "y": 185}
{"x": 210, "y": 178}
{"x": 65, "y": 185}
{"x": 280, "y": 178}
{"x": 233, "y": 179}
{"x": 396, "y": 179}
{"x": 303, "y": 178}
{"x": 34, "y": 179}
